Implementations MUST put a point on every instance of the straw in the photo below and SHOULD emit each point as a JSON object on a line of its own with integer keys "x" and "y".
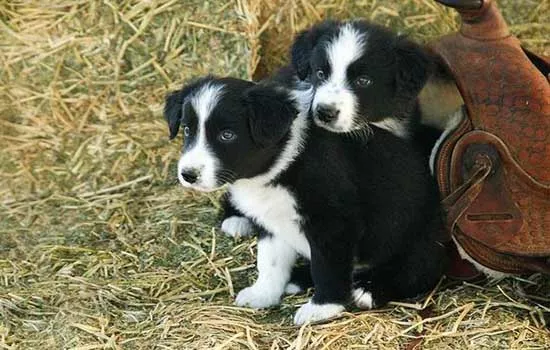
{"x": 99, "y": 246}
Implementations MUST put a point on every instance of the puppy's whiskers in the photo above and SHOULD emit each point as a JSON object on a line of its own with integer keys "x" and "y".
{"x": 226, "y": 176}
{"x": 360, "y": 131}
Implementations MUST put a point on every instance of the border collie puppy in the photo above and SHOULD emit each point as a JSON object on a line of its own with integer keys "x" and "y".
{"x": 365, "y": 213}
{"x": 364, "y": 75}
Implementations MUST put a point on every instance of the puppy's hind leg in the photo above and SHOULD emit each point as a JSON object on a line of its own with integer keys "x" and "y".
{"x": 300, "y": 279}
{"x": 410, "y": 275}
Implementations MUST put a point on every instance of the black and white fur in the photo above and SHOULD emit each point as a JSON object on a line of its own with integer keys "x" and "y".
{"x": 365, "y": 213}
{"x": 364, "y": 75}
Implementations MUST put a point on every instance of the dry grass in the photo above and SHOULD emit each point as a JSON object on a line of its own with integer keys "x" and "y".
{"x": 99, "y": 248}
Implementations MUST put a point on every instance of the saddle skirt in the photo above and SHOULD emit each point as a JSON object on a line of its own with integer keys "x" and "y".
{"x": 493, "y": 169}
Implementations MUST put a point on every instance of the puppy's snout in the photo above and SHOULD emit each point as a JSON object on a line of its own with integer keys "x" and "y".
{"x": 327, "y": 114}
{"x": 190, "y": 175}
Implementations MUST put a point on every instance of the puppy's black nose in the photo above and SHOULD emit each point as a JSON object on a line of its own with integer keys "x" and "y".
{"x": 190, "y": 175}
{"x": 327, "y": 114}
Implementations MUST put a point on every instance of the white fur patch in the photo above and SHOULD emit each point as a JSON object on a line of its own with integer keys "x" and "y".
{"x": 293, "y": 288}
{"x": 492, "y": 274}
{"x": 274, "y": 207}
{"x": 345, "y": 49}
{"x": 362, "y": 299}
{"x": 275, "y": 261}
{"x": 237, "y": 226}
{"x": 452, "y": 122}
{"x": 200, "y": 158}
{"x": 311, "y": 312}
{"x": 398, "y": 127}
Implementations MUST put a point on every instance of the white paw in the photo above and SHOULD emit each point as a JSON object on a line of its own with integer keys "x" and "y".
{"x": 293, "y": 288}
{"x": 237, "y": 226}
{"x": 311, "y": 312}
{"x": 257, "y": 297}
{"x": 363, "y": 299}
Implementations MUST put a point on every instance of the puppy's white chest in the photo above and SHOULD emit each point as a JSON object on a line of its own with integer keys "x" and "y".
{"x": 273, "y": 207}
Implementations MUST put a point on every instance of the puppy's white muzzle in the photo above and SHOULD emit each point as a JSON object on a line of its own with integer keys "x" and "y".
{"x": 334, "y": 107}
{"x": 197, "y": 169}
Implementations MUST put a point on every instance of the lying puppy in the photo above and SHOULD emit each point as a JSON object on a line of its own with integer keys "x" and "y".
{"x": 365, "y": 213}
{"x": 364, "y": 75}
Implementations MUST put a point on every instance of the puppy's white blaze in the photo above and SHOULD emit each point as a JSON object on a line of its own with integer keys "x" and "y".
{"x": 199, "y": 156}
{"x": 236, "y": 226}
{"x": 206, "y": 99}
{"x": 362, "y": 299}
{"x": 311, "y": 312}
{"x": 345, "y": 49}
{"x": 275, "y": 261}
{"x": 396, "y": 126}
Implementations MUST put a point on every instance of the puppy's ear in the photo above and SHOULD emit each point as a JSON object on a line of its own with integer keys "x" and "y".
{"x": 301, "y": 53}
{"x": 173, "y": 107}
{"x": 173, "y": 111}
{"x": 414, "y": 66}
{"x": 303, "y": 46}
{"x": 271, "y": 112}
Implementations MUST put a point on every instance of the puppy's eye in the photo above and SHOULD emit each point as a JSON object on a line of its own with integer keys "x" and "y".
{"x": 227, "y": 136}
{"x": 320, "y": 74}
{"x": 363, "y": 81}
{"x": 186, "y": 131}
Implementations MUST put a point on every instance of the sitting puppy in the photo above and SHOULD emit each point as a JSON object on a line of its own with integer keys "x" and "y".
{"x": 365, "y": 213}
{"x": 364, "y": 75}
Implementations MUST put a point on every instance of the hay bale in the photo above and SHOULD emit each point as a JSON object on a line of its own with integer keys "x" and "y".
{"x": 423, "y": 20}
{"x": 85, "y": 82}
{"x": 99, "y": 248}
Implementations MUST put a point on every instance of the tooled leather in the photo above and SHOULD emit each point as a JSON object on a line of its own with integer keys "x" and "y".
{"x": 507, "y": 191}
{"x": 505, "y": 94}
{"x": 508, "y": 97}
{"x": 534, "y": 238}
{"x": 500, "y": 262}
{"x": 457, "y": 203}
{"x": 444, "y": 156}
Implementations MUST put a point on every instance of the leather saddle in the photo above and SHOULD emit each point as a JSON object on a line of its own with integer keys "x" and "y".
{"x": 493, "y": 169}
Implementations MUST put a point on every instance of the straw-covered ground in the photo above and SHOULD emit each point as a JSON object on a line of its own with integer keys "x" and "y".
{"x": 100, "y": 248}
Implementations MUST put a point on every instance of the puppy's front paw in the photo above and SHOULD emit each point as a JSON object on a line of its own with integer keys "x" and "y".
{"x": 237, "y": 226}
{"x": 363, "y": 299}
{"x": 257, "y": 297}
{"x": 312, "y": 312}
